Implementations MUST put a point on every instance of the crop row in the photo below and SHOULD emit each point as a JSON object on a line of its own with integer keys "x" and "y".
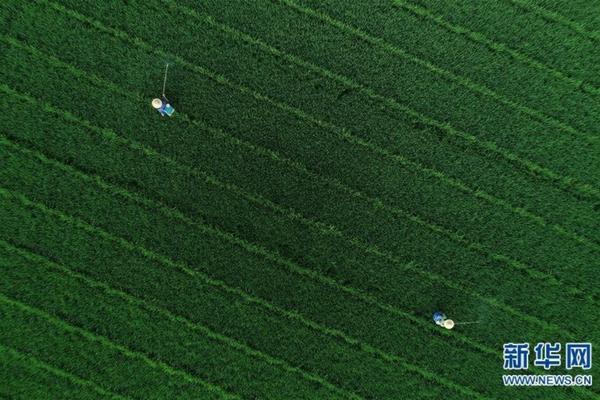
{"x": 199, "y": 300}
{"x": 181, "y": 343}
{"x": 577, "y": 220}
{"x": 26, "y": 377}
{"x": 554, "y": 46}
{"x": 158, "y": 139}
{"x": 313, "y": 251}
{"x": 368, "y": 272}
{"x": 278, "y": 283}
{"x": 482, "y": 68}
{"x": 194, "y": 245}
{"x": 541, "y": 252}
{"x": 578, "y": 15}
{"x": 423, "y": 85}
{"x": 235, "y": 34}
{"x": 233, "y": 221}
{"x": 119, "y": 369}
{"x": 486, "y": 140}
{"x": 178, "y": 145}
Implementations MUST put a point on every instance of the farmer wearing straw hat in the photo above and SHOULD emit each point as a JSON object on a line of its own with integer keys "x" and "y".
{"x": 440, "y": 319}
{"x": 162, "y": 105}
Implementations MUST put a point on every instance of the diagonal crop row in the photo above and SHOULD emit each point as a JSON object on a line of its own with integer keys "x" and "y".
{"x": 427, "y": 275}
{"x": 405, "y": 162}
{"x": 90, "y": 336}
{"x": 396, "y": 360}
{"x": 462, "y": 80}
{"x": 489, "y": 145}
{"x": 126, "y": 196}
{"x": 205, "y": 229}
{"x": 178, "y": 319}
{"x": 96, "y": 284}
{"x": 67, "y": 169}
{"x": 204, "y": 302}
{"x": 479, "y": 37}
{"x": 228, "y": 341}
{"x": 566, "y": 183}
{"x": 171, "y": 299}
{"x": 573, "y": 108}
{"x": 287, "y": 108}
{"x": 113, "y": 69}
{"x": 36, "y": 363}
{"x": 553, "y": 16}
{"x": 328, "y": 231}
{"x": 484, "y": 194}
{"x": 139, "y": 98}
{"x": 158, "y": 325}
{"x": 584, "y": 239}
{"x": 94, "y": 361}
{"x": 163, "y": 224}
{"x": 392, "y": 141}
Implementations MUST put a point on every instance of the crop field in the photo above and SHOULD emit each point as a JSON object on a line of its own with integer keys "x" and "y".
{"x": 335, "y": 172}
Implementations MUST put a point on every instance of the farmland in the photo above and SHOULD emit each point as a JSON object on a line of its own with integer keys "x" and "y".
{"x": 334, "y": 173}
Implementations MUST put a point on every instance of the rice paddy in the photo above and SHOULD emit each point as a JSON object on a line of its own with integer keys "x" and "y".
{"x": 335, "y": 172}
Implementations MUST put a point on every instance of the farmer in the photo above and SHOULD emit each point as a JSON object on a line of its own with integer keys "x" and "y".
{"x": 440, "y": 319}
{"x": 163, "y": 106}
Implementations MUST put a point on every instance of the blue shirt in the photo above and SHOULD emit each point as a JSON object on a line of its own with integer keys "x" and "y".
{"x": 438, "y": 317}
{"x": 166, "y": 108}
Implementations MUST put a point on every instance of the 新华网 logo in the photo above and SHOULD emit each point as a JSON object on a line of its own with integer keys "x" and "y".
{"x": 547, "y": 356}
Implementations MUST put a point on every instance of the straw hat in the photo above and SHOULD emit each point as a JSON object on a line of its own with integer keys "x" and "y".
{"x": 448, "y": 324}
{"x": 156, "y": 103}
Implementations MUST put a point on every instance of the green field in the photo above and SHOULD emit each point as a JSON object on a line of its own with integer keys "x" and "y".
{"x": 335, "y": 172}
